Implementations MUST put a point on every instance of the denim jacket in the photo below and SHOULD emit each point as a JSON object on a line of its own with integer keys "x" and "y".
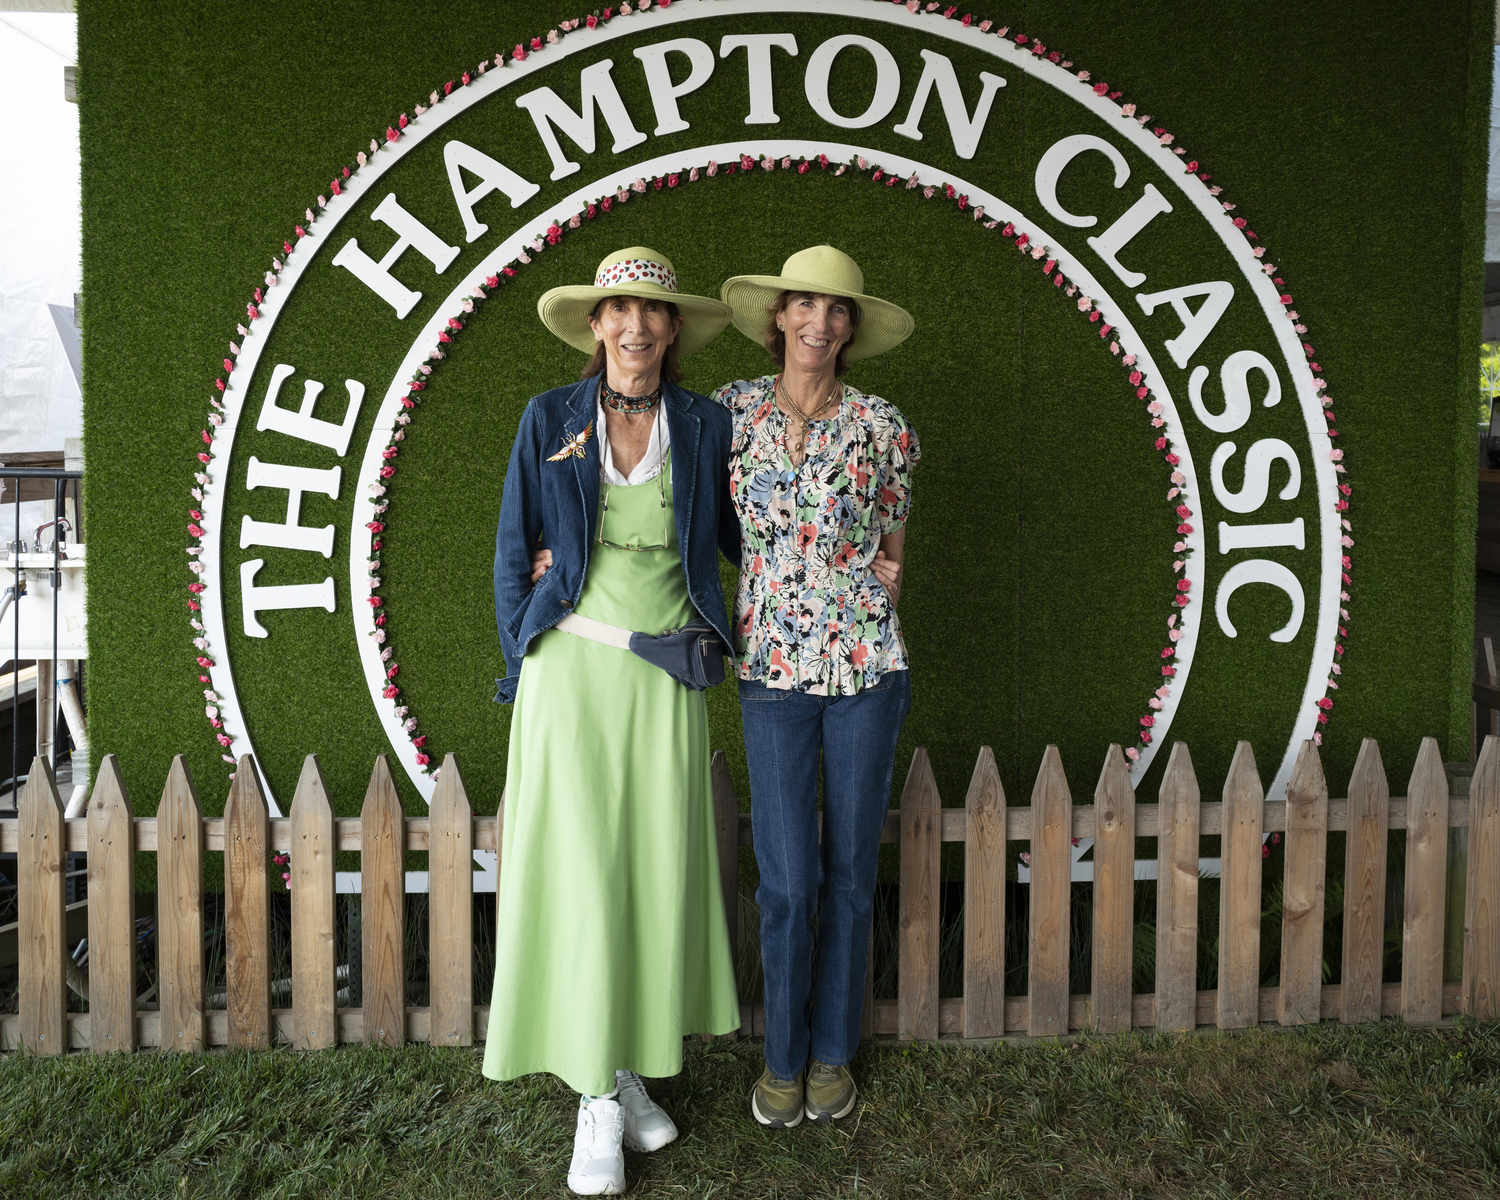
{"x": 555, "y": 504}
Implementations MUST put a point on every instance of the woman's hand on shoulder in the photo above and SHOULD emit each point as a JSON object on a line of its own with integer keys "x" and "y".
{"x": 540, "y": 561}
{"x": 888, "y": 571}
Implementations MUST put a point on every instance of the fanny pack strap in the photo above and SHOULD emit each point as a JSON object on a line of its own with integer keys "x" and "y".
{"x": 692, "y": 655}
{"x": 595, "y": 631}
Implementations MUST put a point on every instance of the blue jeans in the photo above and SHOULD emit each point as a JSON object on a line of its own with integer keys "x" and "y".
{"x": 799, "y": 879}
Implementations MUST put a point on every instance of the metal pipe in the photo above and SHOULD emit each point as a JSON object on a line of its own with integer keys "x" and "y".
{"x": 78, "y": 978}
{"x": 75, "y": 670}
{"x": 58, "y": 522}
{"x": 80, "y": 797}
{"x": 67, "y": 695}
{"x": 15, "y": 662}
{"x": 69, "y": 698}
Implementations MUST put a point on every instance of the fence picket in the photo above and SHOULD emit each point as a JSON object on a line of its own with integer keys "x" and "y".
{"x": 450, "y": 909}
{"x": 1051, "y": 884}
{"x": 40, "y": 837}
{"x": 111, "y": 913}
{"x": 1239, "y": 894}
{"x": 1114, "y": 894}
{"x": 1364, "y": 888}
{"x": 1481, "y": 979}
{"x": 921, "y": 850}
{"x": 42, "y": 921}
{"x": 1301, "y": 997}
{"x": 1426, "y": 887}
{"x": 179, "y": 911}
{"x": 727, "y": 832}
{"x": 383, "y": 909}
{"x": 984, "y": 901}
{"x": 1177, "y": 894}
{"x": 314, "y": 936}
{"x": 247, "y": 910}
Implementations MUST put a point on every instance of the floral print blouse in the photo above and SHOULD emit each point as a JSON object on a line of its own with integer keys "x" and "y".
{"x": 810, "y": 614}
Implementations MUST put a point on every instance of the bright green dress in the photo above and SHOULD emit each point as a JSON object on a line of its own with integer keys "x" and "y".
{"x": 611, "y": 942}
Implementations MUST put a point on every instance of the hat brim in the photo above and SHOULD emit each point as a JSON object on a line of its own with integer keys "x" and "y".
{"x": 882, "y": 324}
{"x": 565, "y": 311}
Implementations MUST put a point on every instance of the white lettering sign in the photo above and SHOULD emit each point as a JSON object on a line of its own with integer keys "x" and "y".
{"x": 1260, "y": 570}
{"x": 411, "y": 235}
{"x": 965, "y": 131}
{"x": 1107, "y": 245}
{"x": 1260, "y": 537}
{"x": 1196, "y": 326}
{"x": 862, "y": 78}
{"x": 597, "y": 91}
{"x": 255, "y": 600}
{"x": 757, "y": 47}
{"x": 289, "y": 535}
{"x": 887, "y": 81}
{"x": 1234, "y": 376}
{"x": 1050, "y": 168}
{"x": 1258, "y": 460}
{"x": 493, "y": 177}
{"x": 664, "y": 92}
{"x": 301, "y": 423}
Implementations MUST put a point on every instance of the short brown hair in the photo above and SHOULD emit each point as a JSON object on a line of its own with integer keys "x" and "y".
{"x": 774, "y": 339}
{"x": 671, "y": 370}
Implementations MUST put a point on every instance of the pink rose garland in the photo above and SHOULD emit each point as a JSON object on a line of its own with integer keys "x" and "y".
{"x": 553, "y": 234}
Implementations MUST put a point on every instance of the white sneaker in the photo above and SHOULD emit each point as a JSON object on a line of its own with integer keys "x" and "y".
{"x": 647, "y": 1127}
{"x": 598, "y": 1166}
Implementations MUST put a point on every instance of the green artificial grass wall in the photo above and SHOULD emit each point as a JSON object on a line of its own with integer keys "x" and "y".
{"x": 1039, "y": 572}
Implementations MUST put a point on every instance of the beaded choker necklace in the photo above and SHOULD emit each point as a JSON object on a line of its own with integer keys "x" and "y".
{"x": 628, "y": 404}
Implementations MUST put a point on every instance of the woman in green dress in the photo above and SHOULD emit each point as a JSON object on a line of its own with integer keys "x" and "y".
{"x": 611, "y": 942}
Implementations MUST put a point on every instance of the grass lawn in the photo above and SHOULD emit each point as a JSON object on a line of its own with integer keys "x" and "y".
{"x": 1327, "y": 1112}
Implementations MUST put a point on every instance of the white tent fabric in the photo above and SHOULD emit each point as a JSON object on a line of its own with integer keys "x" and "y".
{"x": 40, "y": 401}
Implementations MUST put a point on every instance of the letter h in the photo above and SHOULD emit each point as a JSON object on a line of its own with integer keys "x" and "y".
{"x": 411, "y": 235}
{"x": 289, "y": 535}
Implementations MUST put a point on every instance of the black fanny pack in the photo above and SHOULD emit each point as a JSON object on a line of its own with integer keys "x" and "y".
{"x": 693, "y": 655}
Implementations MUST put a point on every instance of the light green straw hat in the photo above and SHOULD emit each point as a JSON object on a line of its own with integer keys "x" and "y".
{"x": 826, "y": 271}
{"x": 635, "y": 271}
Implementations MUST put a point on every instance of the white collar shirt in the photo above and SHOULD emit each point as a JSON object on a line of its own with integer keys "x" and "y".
{"x": 651, "y": 463}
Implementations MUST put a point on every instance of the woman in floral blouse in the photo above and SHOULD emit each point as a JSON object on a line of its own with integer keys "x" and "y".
{"x": 821, "y": 478}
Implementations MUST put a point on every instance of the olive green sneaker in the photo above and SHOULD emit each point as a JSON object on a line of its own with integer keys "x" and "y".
{"x": 830, "y": 1092}
{"x": 777, "y": 1102}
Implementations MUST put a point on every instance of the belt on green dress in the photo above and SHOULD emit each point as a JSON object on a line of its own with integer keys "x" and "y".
{"x": 595, "y": 631}
{"x": 693, "y": 655}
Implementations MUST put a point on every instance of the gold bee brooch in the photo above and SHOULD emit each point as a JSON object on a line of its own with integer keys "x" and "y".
{"x": 573, "y": 447}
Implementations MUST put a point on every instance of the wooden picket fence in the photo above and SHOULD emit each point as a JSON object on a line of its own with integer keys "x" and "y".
{"x": 180, "y": 834}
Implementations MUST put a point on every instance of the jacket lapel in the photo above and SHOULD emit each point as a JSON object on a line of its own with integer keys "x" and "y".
{"x": 586, "y": 469}
{"x": 685, "y": 430}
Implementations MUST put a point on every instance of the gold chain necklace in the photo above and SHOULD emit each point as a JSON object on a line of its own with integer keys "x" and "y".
{"x": 804, "y": 419}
